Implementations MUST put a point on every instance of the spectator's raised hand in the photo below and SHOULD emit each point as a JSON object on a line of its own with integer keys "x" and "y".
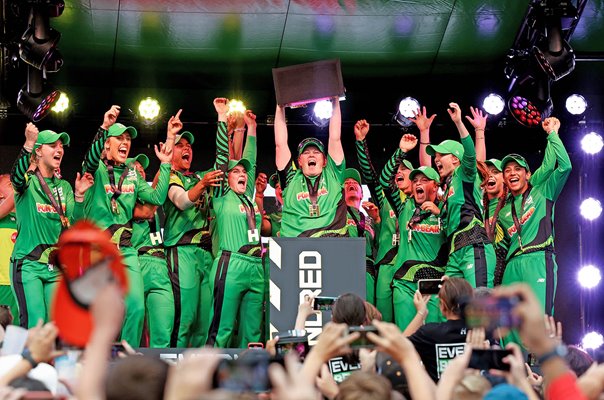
{"x": 289, "y": 383}
{"x": 391, "y": 340}
{"x": 361, "y": 129}
{"x": 553, "y": 329}
{"x": 326, "y": 384}
{"x": 192, "y": 376}
{"x": 421, "y": 119}
{"x": 478, "y": 119}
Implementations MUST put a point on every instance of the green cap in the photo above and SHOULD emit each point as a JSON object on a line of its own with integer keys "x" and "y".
{"x": 141, "y": 158}
{"x": 246, "y": 164}
{"x": 311, "y": 142}
{"x": 446, "y": 147}
{"x": 187, "y": 135}
{"x": 352, "y": 174}
{"x": 273, "y": 180}
{"x": 429, "y": 172}
{"x": 48, "y": 137}
{"x": 495, "y": 163}
{"x": 117, "y": 129}
{"x": 515, "y": 157}
{"x": 407, "y": 164}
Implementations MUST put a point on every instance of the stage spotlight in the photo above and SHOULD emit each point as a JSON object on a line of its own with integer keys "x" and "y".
{"x": 148, "y": 109}
{"x": 322, "y": 113}
{"x": 590, "y": 208}
{"x": 236, "y": 106}
{"x": 592, "y": 340}
{"x": 592, "y": 143}
{"x": 62, "y": 103}
{"x": 493, "y": 104}
{"x": 38, "y": 52}
{"x": 36, "y": 98}
{"x": 576, "y": 104}
{"x": 589, "y": 276}
{"x": 406, "y": 108}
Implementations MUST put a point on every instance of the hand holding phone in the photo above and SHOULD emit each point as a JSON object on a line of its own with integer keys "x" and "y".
{"x": 363, "y": 341}
{"x": 429, "y": 286}
{"x": 323, "y": 303}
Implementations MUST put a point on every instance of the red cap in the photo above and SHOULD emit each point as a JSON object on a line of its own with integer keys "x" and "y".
{"x": 88, "y": 260}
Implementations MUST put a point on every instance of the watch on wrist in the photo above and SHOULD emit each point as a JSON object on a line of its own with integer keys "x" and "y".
{"x": 27, "y": 356}
{"x": 558, "y": 351}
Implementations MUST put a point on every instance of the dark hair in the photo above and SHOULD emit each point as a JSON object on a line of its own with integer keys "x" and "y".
{"x": 454, "y": 293}
{"x": 137, "y": 377}
{"x": 25, "y": 382}
{"x": 6, "y": 316}
{"x": 349, "y": 309}
{"x": 578, "y": 360}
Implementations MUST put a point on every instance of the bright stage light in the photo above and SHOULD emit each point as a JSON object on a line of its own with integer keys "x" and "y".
{"x": 62, "y": 103}
{"x": 493, "y": 104}
{"x": 149, "y": 109}
{"x": 236, "y": 106}
{"x": 323, "y": 109}
{"x": 590, "y": 208}
{"x": 592, "y": 143}
{"x": 408, "y": 106}
{"x": 589, "y": 277}
{"x": 576, "y": 104}
{"x": 592, "y": 340}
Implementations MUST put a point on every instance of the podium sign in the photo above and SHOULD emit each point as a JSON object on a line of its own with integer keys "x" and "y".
{"x": 315, "y": 267}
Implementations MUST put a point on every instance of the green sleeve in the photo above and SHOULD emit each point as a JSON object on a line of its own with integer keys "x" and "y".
{"x": 222, "y": 157}
{"x": 369, "y": 174}
{"x": 250, "y": 154}
{"x": 387, "y": 178}
{"x": 78, "y": 211}
{"x": 468, "y": 161}
{"x": 17, "y": 174}
{"x": 69, "y": 202}
{"x": 542, "y": 174}
{"x": 93, "y": 155}
{"x": 338, "y": 168}
{"x": 555, "y": 183}
{"x": 156, "y": 196}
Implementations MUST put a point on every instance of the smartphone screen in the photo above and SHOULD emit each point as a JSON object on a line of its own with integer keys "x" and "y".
{"x": 324, "y": 303}
{"x": 491, "y": 313}
{"x": 300, "y": 346}
{"x": 362, "y": 341}
{"x": 242, "y": 376}
{"x": 429, "y": 286}
{"x": 485, "y": 360}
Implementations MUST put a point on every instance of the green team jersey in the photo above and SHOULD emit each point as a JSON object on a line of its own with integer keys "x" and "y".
{"x": 422, "y": 249}
{"x": 146, "y": 237}
{"x": 97, "y": 200}
{"x": 190, "y": 226}
{"x": 8, "y": 237}
{"x": 38, "y": 223}
{"x": 389, "y": 234}
{"x": 462, "y": 204}
{"x": 298, "y": 220}
{"x": 231, "y": 229}
{"x": 361, "y": 226}
{"x": 534, "y": 208}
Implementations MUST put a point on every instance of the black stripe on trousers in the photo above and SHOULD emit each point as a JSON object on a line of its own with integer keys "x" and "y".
{"x": 550, "y": 280}
{"x": 174, "y": 280}
{"x": 17, "y": 282}
{"x": 480, "y": 265}
{"x": 219, "y": 287}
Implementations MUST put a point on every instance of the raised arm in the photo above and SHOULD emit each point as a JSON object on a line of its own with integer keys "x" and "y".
{"x": 368, "y": 173}
{"x": 282, "y": 153}
{"x": 21, "y": 165}
{"x": 551, "y": 126}
{"x": 407, "y": 143}
{"x": 335, "y": 150}
{"x": 479, "y": 122}
{"x": 423, "y": 122}
{"x": 221, "y": 105}
{"x": 93, "y": 155}
{"x": 557, "y": 179}
{"x": 468, "y": 161}
{"x": 250, "y": 149}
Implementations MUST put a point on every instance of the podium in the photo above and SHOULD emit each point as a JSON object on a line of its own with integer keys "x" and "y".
{"x": 315, "y": 267}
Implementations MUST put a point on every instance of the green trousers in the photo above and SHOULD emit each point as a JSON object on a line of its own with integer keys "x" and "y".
{"x": 383, "y": 291}
{"x": 475, "y": 263}
{"x": 134, "y": 318}
{"x": 34, "y": 284}
{"x": 7, "y": 298}
{"x": 538, "y": 270}
{"x": 190, "y": 268}
{"x": 159, "y": 300}
{"x": 404, "y": 309}
{"x": 239, "y": 292}
{"x": 369, "y": 288}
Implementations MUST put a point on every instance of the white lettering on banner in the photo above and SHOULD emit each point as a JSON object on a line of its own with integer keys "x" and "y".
{"x": 174, "y": 358}
{"x": 445, "y": 353}
{"x": 252, "y": 235}
{"x": 340, "y": 369}
{"x": 310, "y": 277}
{"x": 155, "y": 238}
